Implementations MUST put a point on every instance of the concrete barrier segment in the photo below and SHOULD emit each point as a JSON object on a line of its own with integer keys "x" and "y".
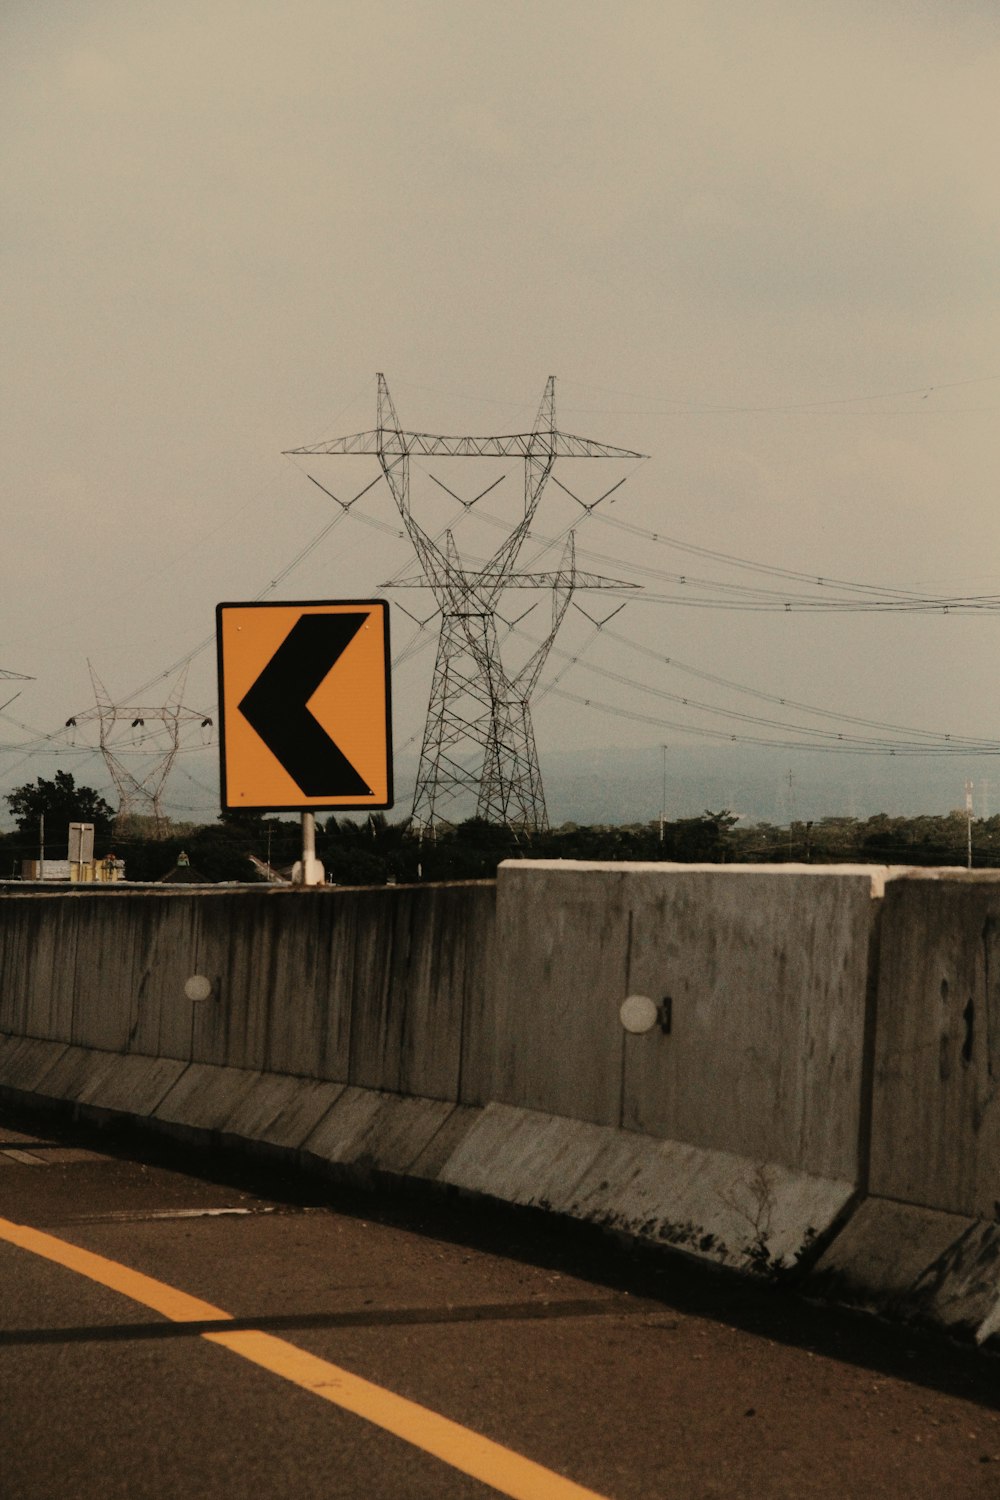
{"x": 133, "y": 1086}
{"x": 342, "y": 985}
{"x": 898, "y": 1259}
{"x": 768, "y": 978}
{"x": 360, "y": 1130}
{"x": 280, "y": 1112}
{"x": 203, "y": 1099}
{"x": 917, "y": 1265}
{"x": 936, "y": 1096}
{"x": 103, "y": 1082}
{"x": 750, "y": 1215}
{"x": 25, "y": 1062}
{"x": 79, "y": 1070}
{"x": 376, "y": 1132}
{"x": 429, "y": 1165}
{"x": 737, "y": 1132}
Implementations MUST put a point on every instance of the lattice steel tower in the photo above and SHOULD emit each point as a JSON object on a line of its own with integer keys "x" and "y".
{"x": 140, "y": 763}
{"x": 476, "y": 704}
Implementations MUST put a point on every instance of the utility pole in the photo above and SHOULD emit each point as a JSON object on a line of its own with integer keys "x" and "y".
{"x": 663, "y": 797}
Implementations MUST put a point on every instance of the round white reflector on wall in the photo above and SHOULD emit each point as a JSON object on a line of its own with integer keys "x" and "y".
{"x": 638, "y": 1013}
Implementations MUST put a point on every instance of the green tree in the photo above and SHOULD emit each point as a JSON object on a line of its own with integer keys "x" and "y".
{"x": 61, "y": 802}
{"x": 220, "y": 853}
{"x": 368, "y": 853}
{"x": 469, "y": 851}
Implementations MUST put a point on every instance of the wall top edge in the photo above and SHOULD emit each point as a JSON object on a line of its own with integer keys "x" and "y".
{"x": 878, "y": 876}
{"x": 17, "y": 890}
{"x": 678, "y": 867}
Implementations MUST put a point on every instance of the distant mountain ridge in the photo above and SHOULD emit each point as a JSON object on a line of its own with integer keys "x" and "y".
{"x": 626, "y": 785}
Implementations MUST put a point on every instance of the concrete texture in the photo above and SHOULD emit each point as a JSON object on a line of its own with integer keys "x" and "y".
{"x": 562, "y": 938}
{"x": 25, "y": 1062}
{"x": 363, "y": 986}
{"x": 918, "y": 1265}
{"x": 78, "y": 1070}
{"x": 909, "y": 1262}
{"x": 371, "y": 1131}
{"x": 134, "y": 1086}
{"x": 279, "y": 1111}
{"x": 718, "y": 1205}
{"x": 936, "y": 1101}
{"x": 834, "y": 1033}
{"x": 723, "y": 1207}
{"x": 878, "y": 1257}
{"x": 204, "y": 1097}
{"x": 962, "y": 1289}
{"x": 428, "y": 1165}
{"x": 282, "y": 970}
{"x": 417, "y": 956}
{"x": 768, "y": 973}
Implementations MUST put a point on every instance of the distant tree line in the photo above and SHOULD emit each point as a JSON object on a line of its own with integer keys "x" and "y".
{"x": 375, "y": 850}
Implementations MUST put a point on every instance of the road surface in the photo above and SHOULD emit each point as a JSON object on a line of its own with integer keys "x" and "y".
{"x": 287, "y": 1338}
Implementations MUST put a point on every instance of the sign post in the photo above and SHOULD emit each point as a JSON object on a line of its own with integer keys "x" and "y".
{"x": 304, "y": 711}
{"x": 309, "y": 870}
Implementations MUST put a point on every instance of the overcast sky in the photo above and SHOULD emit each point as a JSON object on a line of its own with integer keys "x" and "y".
{"x": 758, "y": 244}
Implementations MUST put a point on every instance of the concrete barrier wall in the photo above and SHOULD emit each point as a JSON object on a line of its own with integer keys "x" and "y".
{"x": 397, "y": 989}
{"x": 936, "y": 1103}
{"x": 829, "y": 1081}
{"x": 768, "y": 974}
{"x": 358, "y": 986}
{"x": 924, "y": 1245}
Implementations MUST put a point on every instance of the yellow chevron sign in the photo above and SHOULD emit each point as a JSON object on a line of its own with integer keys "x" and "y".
{"x": 305, "y": 705}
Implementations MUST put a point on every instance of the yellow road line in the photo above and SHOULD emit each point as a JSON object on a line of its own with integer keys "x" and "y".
{"x": 459, "y": 1447}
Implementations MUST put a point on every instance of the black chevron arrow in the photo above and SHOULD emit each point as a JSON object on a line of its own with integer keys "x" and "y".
{"x": 276, "y": 706}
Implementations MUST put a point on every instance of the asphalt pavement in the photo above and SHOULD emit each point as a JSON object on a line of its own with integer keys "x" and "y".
{"x": 286, "y": 1337}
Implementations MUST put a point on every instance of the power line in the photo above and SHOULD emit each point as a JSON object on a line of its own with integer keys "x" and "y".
{"x": 771, "y": 569}
{"x": 816, "y": 404}
{"x": 872, "y": 598}
{"x": 786, "y": 702}
{"x": 694, "y": 591}
{"x": 935, "y": 742}
{"x": 836, "y": 746}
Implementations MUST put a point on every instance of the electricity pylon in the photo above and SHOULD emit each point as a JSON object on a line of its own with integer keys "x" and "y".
{"x": 130, "y": 735}
{"x": 476, "y": 705}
